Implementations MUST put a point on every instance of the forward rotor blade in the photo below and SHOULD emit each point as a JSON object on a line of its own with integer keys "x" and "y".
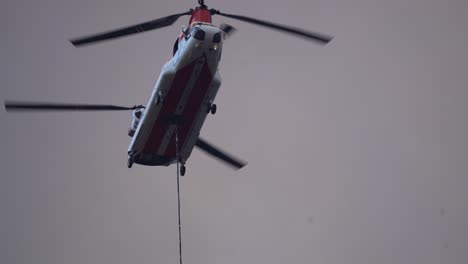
{"x": 321, "y": 38}
{"x": 217, "y": 153}
{"x": 139, "y": 28}
{"x": 33, "y": 106}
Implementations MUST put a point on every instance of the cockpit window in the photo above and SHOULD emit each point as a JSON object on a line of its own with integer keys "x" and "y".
{"x": 198, "y": 33}
{"x": 217, "y": 37}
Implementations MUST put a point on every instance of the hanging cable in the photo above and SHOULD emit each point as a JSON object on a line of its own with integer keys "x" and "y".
{"x": 178, "y": 193}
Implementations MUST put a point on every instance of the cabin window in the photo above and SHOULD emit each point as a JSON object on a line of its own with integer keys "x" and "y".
{"x": 138, "y": 114}
{"x": 198, "y": 33}
{"x": 217, "y": 37}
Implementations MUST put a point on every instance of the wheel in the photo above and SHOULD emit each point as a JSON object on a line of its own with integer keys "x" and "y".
{"x": 182, "y": 170}
{"x": 129, "y": 163}
{"x": 208, "y": 108}
{"x": 213, "y": 109}
{"x": 131, "y": 132}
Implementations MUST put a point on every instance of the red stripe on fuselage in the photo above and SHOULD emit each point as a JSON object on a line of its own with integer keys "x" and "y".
{"x": 171, "y": 100}
{"x": 192, "y": 108}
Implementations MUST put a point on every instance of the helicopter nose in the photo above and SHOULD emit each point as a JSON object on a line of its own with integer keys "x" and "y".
{"x": 211, "y": 42}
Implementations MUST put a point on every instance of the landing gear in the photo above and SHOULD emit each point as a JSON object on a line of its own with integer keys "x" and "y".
{"x": 130, "y": 162}
{"x": 131, "y": 132}
{"x": 211, "y": 108}
{"x": 182, "y": 170}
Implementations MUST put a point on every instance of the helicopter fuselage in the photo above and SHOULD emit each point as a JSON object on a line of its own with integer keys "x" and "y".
{"x": 166, "y": 130}
{"x": 182, "y": 98}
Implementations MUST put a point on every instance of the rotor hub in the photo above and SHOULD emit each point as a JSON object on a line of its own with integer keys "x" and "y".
{"x": 202, "y": 3}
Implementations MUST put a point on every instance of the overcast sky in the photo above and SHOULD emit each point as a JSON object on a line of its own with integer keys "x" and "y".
{"x": 357, "y": 151}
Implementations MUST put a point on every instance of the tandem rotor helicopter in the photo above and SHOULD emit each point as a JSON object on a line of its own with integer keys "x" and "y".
{"x": 166, "y": 130}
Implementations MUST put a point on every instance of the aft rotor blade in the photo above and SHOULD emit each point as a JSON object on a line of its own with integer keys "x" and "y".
{"x": 321, "y": 38}
{"x": 217, "y": 153}
{"x": 139, "y": 28}
{"x": 33, "y": 106}
{"x": 228, "y": 29}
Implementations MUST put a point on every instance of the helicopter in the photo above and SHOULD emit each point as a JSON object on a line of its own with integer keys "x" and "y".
{"x": 167, "y": 128}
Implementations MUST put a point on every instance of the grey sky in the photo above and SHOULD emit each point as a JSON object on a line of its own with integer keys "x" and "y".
{"x": 357, "y": 151}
